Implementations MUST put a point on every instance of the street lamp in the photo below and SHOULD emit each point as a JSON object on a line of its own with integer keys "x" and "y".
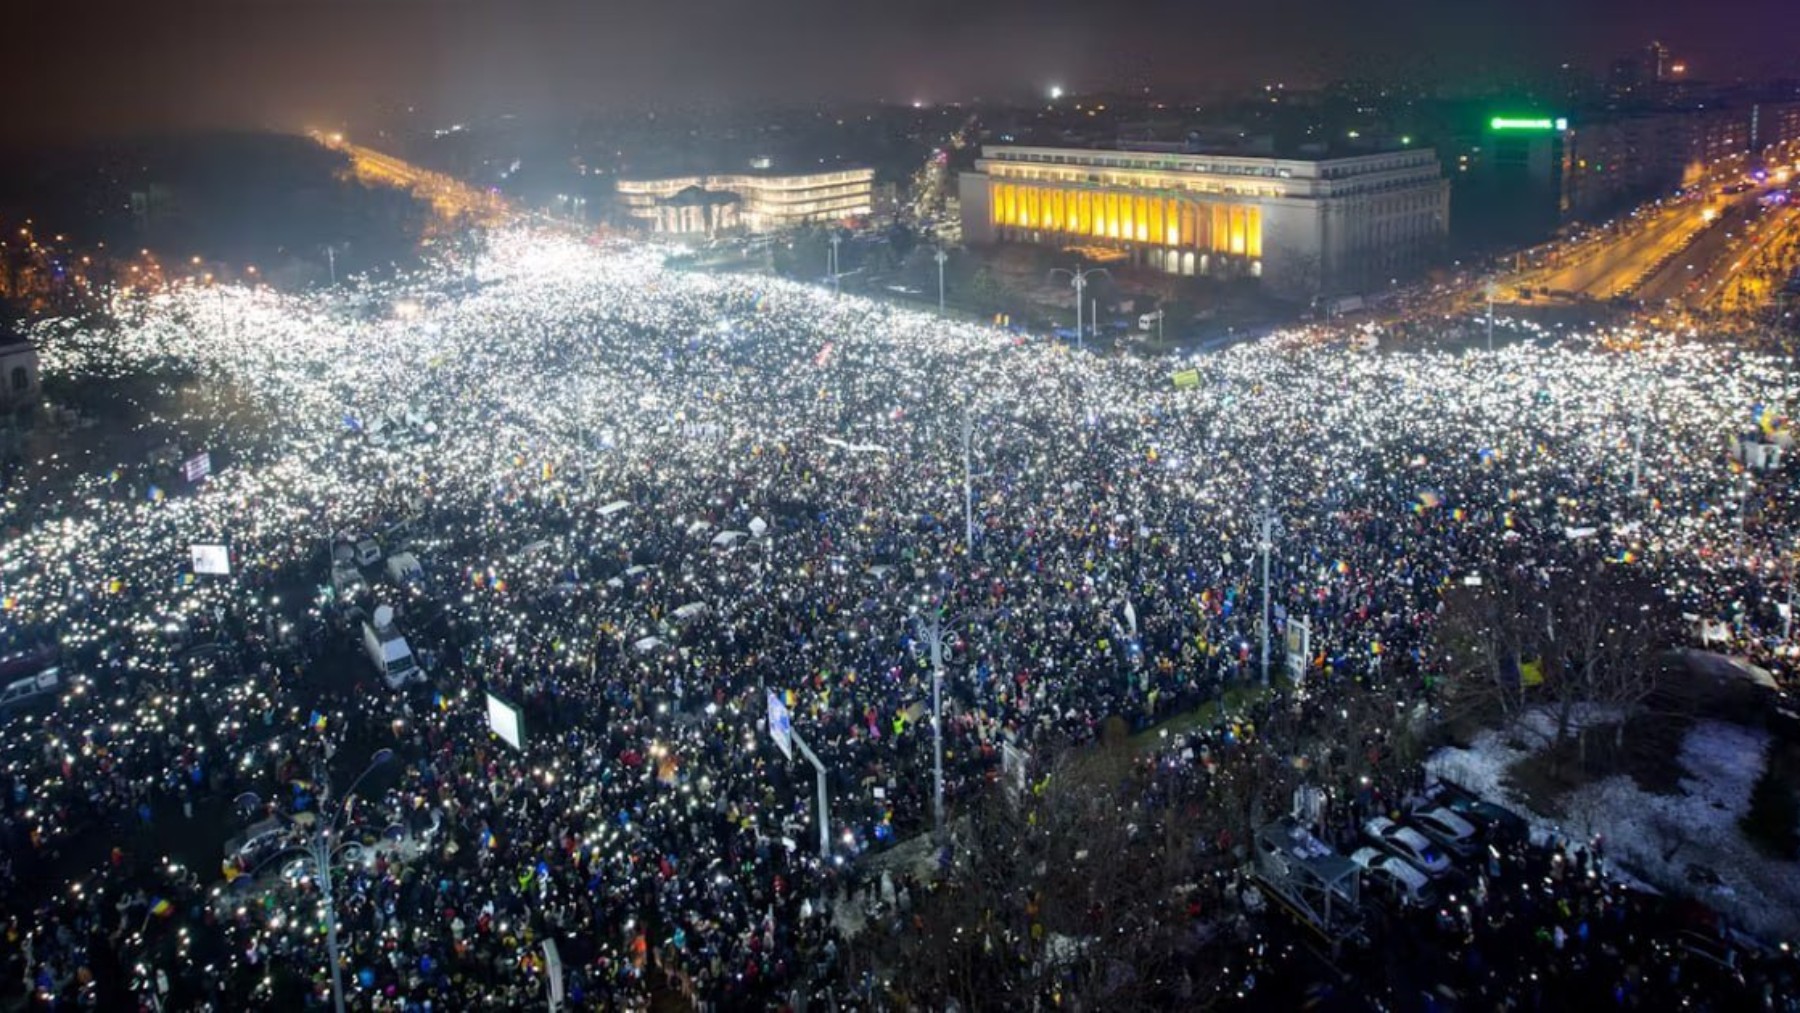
{"x": 1078, "y": 277}
{"x": 836, "y": 286}
{"x": 1266, "y": 545}
{"x": 320, "y": 849}
{"x": 933, "y": 633}
{"x": 940, "y": 256}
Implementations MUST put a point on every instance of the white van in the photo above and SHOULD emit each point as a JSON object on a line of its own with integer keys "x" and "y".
{"x": 389, "y": 651}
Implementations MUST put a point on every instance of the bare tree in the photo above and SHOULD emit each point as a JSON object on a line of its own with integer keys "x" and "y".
{"x": 1563, "y": 636}
{"x": 1082, "y": 889}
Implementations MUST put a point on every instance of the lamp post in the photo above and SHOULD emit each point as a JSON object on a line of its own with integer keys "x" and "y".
{"x": 1267, "y": 544}
{"x": 1078, "y": 277}
{"x": 933, "y": 633}
{"x": 1492, "y": 290}
{"x": 836, "y": 286}
{"x": 968, "y": 449}
{"x": 320, "y": 849}
{"x": 940, "y": 256}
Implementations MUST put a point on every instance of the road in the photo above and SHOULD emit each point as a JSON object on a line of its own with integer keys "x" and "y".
{"x": 1757, "y": 266}
{"x": 1622, "y": 265}
{"x": 1684, "y": 274}
{"x": 451, "y": 199}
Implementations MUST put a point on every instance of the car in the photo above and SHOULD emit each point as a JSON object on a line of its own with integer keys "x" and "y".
{"x": 1392, "y": 877}
{"x": 1447, "y": 830}
{"x": 1496, "y": 824}
{"x": 1409, "y": 844}
{"x": 259, "y": 842}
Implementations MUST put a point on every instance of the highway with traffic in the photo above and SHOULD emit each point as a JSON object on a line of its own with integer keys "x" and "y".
{"x": 451, "y": 199}
{"x": 1721, "y": 246}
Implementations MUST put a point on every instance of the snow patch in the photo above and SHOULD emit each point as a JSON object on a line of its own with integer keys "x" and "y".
{"x": 1701, "y": 825}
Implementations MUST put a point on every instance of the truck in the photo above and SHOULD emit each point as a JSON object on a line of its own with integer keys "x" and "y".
{"x": 389, "y": 651}
{"x": 1318, "y": 887}
{"x": 404, "y": 570}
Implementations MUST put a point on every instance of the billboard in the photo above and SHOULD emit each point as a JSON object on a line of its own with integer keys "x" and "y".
{"x": 1299, "y": 645}
{"x": 506, "y": 721}
{"x": 197, "y": 467}
{"x": 1532, "y": 124}
{"x": 211, "y": 558}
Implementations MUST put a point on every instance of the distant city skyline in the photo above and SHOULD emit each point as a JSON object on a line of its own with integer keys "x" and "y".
{"x": 108, "y": 66}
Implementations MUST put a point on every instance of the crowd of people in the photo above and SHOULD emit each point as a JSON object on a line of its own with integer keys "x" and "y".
{"x": 644, "y": 502}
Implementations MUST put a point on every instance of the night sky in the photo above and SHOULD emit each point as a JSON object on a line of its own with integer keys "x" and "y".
{"x": 104, "y": 66}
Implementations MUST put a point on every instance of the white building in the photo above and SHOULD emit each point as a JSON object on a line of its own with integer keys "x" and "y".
{"x": 1306, "y": 226}
{"x": 20, "y": 383}
{"x": 751, "y": 202}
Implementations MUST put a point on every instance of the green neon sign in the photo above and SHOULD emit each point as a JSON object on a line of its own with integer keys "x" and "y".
{"x": 1528, "y": 123}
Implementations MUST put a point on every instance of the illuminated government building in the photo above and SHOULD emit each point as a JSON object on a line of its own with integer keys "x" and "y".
{"x": 746, "y": 202}
{"x": 1306, "y": 226}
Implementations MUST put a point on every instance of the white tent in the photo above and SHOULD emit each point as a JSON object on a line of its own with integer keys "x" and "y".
{"x": 614, "y": 507}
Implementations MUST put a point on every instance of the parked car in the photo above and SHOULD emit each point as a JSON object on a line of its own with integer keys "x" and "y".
{"x": 1496, "y": 824}
{"x": 1408, "y": 844}
{"x": 1447, "y": 830}
{"x": 1393, "y": 878}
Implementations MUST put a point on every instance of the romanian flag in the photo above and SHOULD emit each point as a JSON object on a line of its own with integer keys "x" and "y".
{"x": 1429, "y": 498}
{"x": 1764, "y": 416}
{"x": 162, "y": 908}
{"x": 442, "y": 704}
{"x": 317, "y": 721}
{"x": 791, "y": 700}
{"x": 1342, "y": 567}
{"x": 1458, "y": 514}
{"x": 156, "y": 494}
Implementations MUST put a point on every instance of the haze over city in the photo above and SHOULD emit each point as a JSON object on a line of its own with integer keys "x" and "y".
{"x": 116, "y": 66}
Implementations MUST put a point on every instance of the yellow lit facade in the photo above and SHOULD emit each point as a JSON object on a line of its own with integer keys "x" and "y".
{"x": 1307, "y": 226}
{"x": 1170, "y": 222}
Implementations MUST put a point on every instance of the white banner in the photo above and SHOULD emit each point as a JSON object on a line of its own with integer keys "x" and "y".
{"x": 781, "y": 725}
